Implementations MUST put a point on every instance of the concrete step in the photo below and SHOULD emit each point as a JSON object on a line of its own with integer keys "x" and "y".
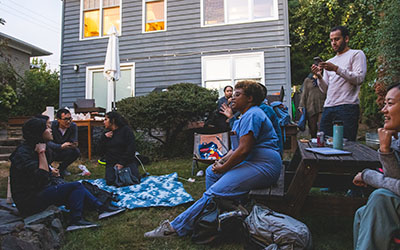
{"x": 7, "y": 149}
{"x": 10, "y": 142}
{"x": 4, "y": 157}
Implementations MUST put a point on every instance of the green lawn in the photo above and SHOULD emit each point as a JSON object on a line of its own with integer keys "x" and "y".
{"x": 126, "y": 231}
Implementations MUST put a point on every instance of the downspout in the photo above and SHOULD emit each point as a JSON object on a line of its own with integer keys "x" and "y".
{"x": 62, "y": 52}
{"x": 287, "y": 54}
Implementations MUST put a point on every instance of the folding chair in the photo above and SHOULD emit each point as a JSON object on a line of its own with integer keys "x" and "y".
{"x": 220, "y": 139}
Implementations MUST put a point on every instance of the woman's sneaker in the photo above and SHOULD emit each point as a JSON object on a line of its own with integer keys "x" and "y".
{"x": 107, "y": 211}
{"x": 165, "y": 230}
{"x": 81, "y": 224}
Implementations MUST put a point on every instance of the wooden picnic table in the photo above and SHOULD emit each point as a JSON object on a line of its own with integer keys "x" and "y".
{"x": 307, "y": 170}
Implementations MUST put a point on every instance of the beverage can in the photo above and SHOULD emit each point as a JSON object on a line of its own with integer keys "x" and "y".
{"x": 320, "y": 139}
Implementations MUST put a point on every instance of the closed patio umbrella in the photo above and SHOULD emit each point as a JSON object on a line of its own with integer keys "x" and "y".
{"x": 112, "y": 70}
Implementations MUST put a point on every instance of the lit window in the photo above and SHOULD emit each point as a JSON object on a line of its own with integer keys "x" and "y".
{"x": 154, "y": 15}
{"x": 237, "y": 11}
{"x": 99, "y": 16}
{"x": 222, "y": 70}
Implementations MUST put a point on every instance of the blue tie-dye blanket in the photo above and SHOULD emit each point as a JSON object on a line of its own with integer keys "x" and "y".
{"x": 153, "y": 191}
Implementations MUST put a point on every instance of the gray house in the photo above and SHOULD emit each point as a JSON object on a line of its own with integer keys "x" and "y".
{"x": 18, "y": 53}
{"x": 211, "y": 43}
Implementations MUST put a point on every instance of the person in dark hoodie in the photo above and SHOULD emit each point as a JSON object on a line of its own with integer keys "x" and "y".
{"x": 118, "y": 146}
{"x": 31, "y": 188}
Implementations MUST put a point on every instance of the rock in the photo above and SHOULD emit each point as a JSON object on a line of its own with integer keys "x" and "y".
{"x": 42, "y": 231}
{"x": 45, "y": 216}
{"x": 5, "y": 206}
{"x": 6, "y": 217}
{"x": 11, "y": 227}
{"x": 13, "y": 243}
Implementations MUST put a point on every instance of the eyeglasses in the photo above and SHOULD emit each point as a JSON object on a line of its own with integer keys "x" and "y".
{"x": 67, "y": 119}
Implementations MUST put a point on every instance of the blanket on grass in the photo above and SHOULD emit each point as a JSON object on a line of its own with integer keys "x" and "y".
{"x": 153, "y": 191}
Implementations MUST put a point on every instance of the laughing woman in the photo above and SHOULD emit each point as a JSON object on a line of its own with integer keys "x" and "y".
{"x": 253, "y": 162}
{"x": 375, "y": 222}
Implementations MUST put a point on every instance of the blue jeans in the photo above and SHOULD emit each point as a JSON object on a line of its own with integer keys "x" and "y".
{"x": 375, "y": 222}
{"x": 235, "y": 183}
{"x": 73, "y": 195}
{"x": 348, "y": 113}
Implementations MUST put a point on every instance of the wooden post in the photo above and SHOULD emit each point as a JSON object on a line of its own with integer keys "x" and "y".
{"x": 9, "y": 198}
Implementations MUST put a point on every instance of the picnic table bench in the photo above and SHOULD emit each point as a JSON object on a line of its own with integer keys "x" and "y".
{"x": 307, "y": 170}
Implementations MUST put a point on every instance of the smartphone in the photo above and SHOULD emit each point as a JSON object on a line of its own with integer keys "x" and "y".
{"x": 317, "y": 60}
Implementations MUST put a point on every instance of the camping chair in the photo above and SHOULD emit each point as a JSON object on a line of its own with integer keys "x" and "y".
{"x": 220, "y": 139}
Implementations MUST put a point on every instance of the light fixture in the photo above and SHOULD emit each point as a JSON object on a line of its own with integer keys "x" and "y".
{"x": 76, "y": 67}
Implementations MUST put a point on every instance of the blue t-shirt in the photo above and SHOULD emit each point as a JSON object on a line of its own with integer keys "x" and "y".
{"x": 264, "y": 133}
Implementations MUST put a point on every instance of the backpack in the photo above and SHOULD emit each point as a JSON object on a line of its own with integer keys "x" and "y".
{"x": 282, "y": 112}
{"x": 103, "y": 196}
{"x": 277, "y": 231}
{"x": 124, "y": 177}
{"x": 220, "y": 219}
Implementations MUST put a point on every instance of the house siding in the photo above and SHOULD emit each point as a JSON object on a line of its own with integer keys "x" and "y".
{"x": 172, "y": 56}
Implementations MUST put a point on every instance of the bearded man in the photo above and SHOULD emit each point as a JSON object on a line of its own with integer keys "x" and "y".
{"x": 341, "y": 81}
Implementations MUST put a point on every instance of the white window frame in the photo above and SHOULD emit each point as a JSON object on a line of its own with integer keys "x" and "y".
{"x": 81, "y": 22}
{"x": 231, "y": 58}
{"x": 144, "y": 17}
{"x": 100, "y": 68}
{"x": 250, "y": 20}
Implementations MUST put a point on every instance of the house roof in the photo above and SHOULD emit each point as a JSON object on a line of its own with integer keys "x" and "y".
{"x": 25, "y": 47}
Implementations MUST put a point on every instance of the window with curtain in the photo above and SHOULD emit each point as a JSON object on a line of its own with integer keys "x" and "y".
{"x": 154, "y": 15}
{"x": 99, "y": 16}
{"x": 237, "y": 11}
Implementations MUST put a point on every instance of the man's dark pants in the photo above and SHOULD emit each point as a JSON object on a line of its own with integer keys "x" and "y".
{"x": 348, "y": 113}
{"x": 66, "y": 157}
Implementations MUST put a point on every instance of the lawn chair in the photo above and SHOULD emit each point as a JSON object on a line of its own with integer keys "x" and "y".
{"x": 220, "y": 139}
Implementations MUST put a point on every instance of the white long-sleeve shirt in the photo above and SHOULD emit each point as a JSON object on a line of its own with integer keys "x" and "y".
{"x": 343, "y": 86}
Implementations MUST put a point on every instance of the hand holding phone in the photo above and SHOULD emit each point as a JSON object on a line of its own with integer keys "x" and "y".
{"x": 317, "y": 60}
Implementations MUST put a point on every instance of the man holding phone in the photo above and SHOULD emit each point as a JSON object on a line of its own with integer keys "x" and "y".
{"x": 341, "y": 82}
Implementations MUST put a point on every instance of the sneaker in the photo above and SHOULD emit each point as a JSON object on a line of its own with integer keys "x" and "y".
{"x": 165, "y": 230}
{"x": 108, "y": 211}
{"x": 81, "y": 224}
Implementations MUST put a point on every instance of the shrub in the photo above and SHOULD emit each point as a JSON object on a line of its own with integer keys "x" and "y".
{"x": 168, "y": 111}
{"x": 38, "y": 89}
{"x": 8, "y": 96}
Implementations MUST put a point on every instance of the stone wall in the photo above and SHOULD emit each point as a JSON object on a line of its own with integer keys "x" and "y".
{"x": 41, "y": 231}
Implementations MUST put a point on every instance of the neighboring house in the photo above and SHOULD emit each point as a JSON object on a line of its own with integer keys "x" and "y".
{"x": 18, "y": 53}
{"x": 211, "y": 43}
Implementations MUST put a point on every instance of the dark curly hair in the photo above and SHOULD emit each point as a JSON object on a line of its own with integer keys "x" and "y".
{"x": 252, "y": 88}
{"x": 117, "y": 119}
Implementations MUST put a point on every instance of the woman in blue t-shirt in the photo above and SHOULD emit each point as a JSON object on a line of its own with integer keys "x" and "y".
{"x": 254, "y": 161}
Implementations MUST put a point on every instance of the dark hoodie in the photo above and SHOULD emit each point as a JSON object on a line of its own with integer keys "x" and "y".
{"x": 27, "y": 180}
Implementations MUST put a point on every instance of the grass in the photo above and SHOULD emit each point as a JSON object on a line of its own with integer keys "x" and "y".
{"x": 126, "y": 231}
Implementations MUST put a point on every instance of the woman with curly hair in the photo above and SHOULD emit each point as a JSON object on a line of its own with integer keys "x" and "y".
{"x": 254, "y": 161}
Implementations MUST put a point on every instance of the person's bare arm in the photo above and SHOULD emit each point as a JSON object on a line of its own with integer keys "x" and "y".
{"x": 245, "y": 145}
{"x": 41, "y": 150}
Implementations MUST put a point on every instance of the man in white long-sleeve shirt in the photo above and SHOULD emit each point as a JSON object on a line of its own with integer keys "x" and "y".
{"x": 341, "y": 81}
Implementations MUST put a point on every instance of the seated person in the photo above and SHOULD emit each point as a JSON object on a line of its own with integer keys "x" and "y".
{"x": 228, "y": 112}
{"x": 117, "y": 145}
{"x": 375, "y": 222}
{"x": 254, "y": 161}
{"x": 65, "y": 142}
{"x": 220, "y": 120}
{"x": 30, "y": 180}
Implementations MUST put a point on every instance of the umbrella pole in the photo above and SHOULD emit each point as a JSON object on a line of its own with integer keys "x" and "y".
{"x": 114, "y": 108}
